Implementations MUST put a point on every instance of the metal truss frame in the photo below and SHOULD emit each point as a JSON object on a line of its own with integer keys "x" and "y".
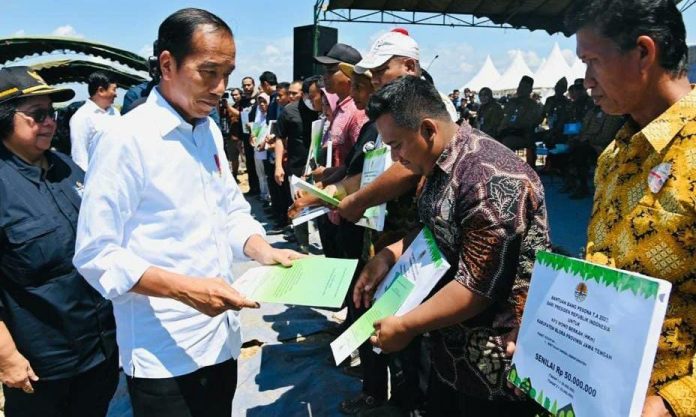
{"x": 322, "y": 14}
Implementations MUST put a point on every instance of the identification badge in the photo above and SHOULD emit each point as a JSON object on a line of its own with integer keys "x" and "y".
{"x": 79, "y": 188}
{"x": 658, "y": 176}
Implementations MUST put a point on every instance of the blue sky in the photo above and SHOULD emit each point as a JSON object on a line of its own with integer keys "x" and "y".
{"x": 263, "y": 30}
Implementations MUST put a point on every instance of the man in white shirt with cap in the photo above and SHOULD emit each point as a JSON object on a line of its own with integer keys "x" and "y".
{"x": 393, "y": 55}
{"x": 162, "y": 221}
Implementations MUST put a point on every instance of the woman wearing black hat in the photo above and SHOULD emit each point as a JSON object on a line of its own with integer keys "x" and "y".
{"x": 57, "y": 334}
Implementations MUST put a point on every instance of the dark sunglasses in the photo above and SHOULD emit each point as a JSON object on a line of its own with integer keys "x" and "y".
{"x": 40, "y": 115}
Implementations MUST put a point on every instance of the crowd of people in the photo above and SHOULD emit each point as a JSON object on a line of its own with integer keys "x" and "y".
{"x": 121, "y": 255}
{"x": 568, "y": 128}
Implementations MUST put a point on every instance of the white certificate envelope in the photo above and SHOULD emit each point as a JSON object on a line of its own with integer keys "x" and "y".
{"x": 423, "y": 264}
{"x": 245, "y": 119}
{"x": 588, "y": 338}
{"x": 376, "y": 162}
{"x": 315, "y": 143}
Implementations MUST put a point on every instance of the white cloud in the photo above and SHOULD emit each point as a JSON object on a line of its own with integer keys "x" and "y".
{"x": 256, "y": 55}
{"x": 67, "y": 30}
{"x": 377, "y": 35}
{"x": 20, "y": 32}
{"x": 569, "y": 56}
{"x": 532, "y": 59}
{"x": 271, "y": 50}
{"x": 146, "y": 50}
{"x": 454, "y": 66}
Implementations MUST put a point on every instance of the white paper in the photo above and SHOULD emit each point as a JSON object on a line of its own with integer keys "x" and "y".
{"x": 588, "y": 337}
{"x": 376, "y": 162}
{"x": 329, "y": 154}
{"x": 315, "y": 143}
{"x": 309, "y": 213}
{"x": 245, "y": 119}
{"x": 423, "y": 264}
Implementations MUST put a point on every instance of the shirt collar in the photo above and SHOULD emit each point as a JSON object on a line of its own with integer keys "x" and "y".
{"x": 449, "y": 155}
{"x": 660, "y": 132}
{"x": 167, "y": 118}
{"x": 29, "y": 171}
{"x": 345, "y": 102}
{"x": 91, "y": 105}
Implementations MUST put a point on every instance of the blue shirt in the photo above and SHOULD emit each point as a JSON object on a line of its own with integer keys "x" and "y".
{"x": 58, "y": 322}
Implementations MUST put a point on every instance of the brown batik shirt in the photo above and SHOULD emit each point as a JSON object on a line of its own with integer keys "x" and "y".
{"x": 485, "y": 207}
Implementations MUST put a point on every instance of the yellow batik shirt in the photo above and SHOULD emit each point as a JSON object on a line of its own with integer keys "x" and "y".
{"x": 654, "y": 233}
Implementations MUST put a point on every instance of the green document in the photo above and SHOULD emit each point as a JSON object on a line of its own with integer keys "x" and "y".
{"x": 388, "y": 304}
{"x": 313, "y": 281}
{"x": 259, "y": 131}
{"x": 313, "y": 190}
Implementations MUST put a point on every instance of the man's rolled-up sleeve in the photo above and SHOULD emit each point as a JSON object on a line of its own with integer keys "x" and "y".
{"x": 112, "y": 192}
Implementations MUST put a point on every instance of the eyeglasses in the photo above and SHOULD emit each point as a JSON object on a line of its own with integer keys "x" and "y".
{"x": 40, "y": 115}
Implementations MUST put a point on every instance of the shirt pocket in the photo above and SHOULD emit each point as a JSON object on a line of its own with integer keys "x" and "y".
{"x": 663, "y": 240}
{"x": 33, "y": 248}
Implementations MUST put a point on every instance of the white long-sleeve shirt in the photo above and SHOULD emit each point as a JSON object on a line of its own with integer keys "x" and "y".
{"x": 158, "y": 193}
{"x": 87, "y": 121}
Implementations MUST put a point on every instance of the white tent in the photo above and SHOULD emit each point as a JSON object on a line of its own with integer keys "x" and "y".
{"x": 486, "y": 76}
{"x": 512, "y": 75}
{"x": 554, "y": 68}
{"x": 576, "y": 71}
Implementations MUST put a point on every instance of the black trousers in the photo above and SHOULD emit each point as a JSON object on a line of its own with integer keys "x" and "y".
{"x": 85, "y": 395}
{"x": 207, "y": 392}
{"x": 582, "y": 156}
{"x": 328, "y": 234}
{"x": 279, "y": 201}
{"x": 445, "y": 401}
{"x": 251, "y": 170}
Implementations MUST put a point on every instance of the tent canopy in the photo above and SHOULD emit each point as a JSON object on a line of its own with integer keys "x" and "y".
{"x": 70, "y": 71}
{"x": 512, "y": 75}
{"x": 576, "y": 71}
{"x": 22, "y": 47}
{"x": 547, "y": 15}
{"x": 554, "y": 68}
{"x": 486, "y": 77}
{"x": 531, "y": 14}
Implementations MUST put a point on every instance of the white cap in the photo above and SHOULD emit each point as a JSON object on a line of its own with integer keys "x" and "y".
{"x": 394, "y": 43}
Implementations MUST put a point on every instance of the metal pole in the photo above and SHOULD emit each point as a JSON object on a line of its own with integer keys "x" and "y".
{"x": 318, "y": 5}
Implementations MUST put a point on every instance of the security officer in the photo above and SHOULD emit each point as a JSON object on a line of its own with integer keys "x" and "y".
{"x": 57, "y": 334}
{"x": 522, "y": 116}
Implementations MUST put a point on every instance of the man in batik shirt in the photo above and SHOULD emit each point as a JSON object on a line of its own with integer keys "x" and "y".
{"x": 644, "y": 215}
{"x": 485, "y": 207}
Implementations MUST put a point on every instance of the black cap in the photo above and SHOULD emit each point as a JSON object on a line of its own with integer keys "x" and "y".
{"x": 16, "y": 82}
{"x": 340, "y": 53}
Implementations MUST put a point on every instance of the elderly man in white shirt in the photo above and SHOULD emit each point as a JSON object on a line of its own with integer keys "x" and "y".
{"x": 89, "y": 119}
{"x": 161, "y": 222}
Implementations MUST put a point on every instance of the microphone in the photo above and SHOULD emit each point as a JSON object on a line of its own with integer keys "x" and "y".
{"x": 431, "y": 62}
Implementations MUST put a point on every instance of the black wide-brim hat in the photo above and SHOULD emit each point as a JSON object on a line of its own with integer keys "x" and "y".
{"x": 18, "y": 82}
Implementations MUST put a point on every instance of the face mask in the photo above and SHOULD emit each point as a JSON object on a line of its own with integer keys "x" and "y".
{"x": 307, "y": 102}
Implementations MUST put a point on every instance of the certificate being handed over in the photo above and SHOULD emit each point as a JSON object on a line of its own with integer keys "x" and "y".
{"x": 313, "y": 281}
